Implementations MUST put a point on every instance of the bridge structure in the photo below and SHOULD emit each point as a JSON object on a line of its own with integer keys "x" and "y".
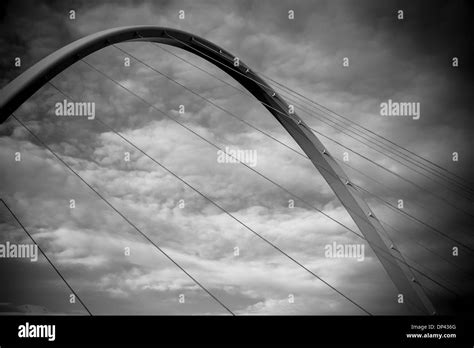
{"x": 349, "y": 194}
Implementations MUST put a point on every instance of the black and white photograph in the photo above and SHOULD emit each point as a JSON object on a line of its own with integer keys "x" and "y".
{"x": 296, "y": 162}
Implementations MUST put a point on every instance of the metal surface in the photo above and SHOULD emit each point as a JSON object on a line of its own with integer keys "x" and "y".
{"x": 25, "y": 85}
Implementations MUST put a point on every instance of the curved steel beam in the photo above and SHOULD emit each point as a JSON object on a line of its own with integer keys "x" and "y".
{"x": 25, "y": 85}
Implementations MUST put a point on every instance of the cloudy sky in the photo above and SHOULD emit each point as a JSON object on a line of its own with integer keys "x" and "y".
{"x": 403, "y": 60}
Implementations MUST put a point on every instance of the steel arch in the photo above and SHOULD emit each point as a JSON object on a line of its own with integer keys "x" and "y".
{"x": 25, "y": 85}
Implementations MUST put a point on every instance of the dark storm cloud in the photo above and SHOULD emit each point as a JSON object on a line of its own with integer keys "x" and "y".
{"x": 31, "y": 30}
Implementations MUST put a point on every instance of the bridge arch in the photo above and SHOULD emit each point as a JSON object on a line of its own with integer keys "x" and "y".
{"x": 25, "y": 85}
